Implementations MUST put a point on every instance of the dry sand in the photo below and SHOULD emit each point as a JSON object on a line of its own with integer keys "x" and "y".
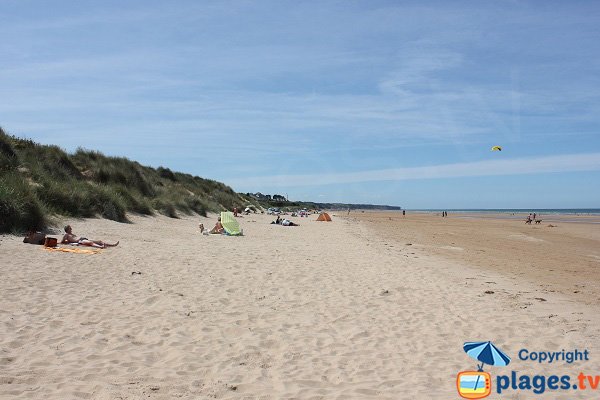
{"x": 340, "y": 310}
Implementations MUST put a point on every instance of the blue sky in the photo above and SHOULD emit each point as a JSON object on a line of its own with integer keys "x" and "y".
{"x": 353, "y": 101}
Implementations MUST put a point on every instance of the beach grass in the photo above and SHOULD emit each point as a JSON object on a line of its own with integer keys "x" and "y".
{"x": 39, "y": 182}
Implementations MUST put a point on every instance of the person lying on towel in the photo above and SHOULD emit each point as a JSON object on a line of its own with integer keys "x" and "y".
{"x": 70, "y": 238}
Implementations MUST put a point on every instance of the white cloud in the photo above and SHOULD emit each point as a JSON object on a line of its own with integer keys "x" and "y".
{"x": 517, "y": 166}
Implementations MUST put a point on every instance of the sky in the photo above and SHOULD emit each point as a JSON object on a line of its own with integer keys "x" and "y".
{"x": 381, "y": 102}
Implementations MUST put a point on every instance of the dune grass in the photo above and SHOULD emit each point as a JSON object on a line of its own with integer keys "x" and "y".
{"x": 39, "y": 182}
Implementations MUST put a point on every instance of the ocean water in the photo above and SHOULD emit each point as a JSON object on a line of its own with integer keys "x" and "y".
{"x": 592, "y": 215}
{"x": 520, "y": 211}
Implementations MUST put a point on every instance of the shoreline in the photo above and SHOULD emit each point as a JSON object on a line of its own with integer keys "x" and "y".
{"x": 590, "y": 218}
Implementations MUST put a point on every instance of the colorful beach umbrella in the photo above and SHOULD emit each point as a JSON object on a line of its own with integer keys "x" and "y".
{"x": 230, "y": 224}
{"x": 487, "y": 353}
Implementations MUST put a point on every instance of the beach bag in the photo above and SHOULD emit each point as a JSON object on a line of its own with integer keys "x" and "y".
{"x": 50, "y": 242}
{"x": 35, "y": 238}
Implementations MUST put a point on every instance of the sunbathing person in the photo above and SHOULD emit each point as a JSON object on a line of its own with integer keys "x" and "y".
{"x": 218, "y": 228}
{"x": 287, "y": 222}
{"x": 70, "y": 238}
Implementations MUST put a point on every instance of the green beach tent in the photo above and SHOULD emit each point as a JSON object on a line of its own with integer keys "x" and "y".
{"x": 230, "y": 224}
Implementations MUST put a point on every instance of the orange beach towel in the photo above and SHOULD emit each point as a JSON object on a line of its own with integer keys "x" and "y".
{"x": 78, "y": 251}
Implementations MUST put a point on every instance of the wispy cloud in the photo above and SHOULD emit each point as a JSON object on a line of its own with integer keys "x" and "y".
{"x": 518, "y": 166}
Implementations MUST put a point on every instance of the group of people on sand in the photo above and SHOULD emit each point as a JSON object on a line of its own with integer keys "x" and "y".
{"x": 283, "y": 221}
{"x": 217, "y": 229}
{"x": 70, "y": 238}
{"x": 532, "y": 218}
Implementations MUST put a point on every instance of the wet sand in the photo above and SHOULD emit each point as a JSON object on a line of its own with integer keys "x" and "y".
{"x": 555, "y": 255}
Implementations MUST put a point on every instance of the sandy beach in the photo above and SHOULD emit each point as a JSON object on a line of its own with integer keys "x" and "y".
{"x": 371, "y": 305}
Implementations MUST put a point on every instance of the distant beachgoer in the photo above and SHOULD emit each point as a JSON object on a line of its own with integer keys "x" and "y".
{"x": 287, "y": 222}
{"x": 70, "y": 238}
{"x": 403, "y": 213}
{"x": 528, "y": 220}
{"x": 218, "y": 228}
{"x": 534, "y": 216}
{"x": 235, "y": 211}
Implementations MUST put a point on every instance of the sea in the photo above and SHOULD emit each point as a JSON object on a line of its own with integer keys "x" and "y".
{"x": 527, "y": 211}
{"x": 592, "y": 215}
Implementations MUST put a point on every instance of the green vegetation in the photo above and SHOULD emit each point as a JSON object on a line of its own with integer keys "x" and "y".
{"x": 309, "y": 205}
{"x": 38, "y": 182}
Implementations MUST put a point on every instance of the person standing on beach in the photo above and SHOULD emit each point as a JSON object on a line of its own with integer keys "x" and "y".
{"x": 403, "y": 213}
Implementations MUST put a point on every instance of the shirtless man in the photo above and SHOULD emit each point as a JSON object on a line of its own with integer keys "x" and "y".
{"x": 69, "y": 237}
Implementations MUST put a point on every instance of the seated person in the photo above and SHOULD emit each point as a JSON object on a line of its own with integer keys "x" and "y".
{"x": 70, "y": 238}
{"x": 218, "y": 228}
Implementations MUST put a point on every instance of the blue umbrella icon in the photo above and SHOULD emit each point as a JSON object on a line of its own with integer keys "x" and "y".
{"x": 487, "y": 353}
